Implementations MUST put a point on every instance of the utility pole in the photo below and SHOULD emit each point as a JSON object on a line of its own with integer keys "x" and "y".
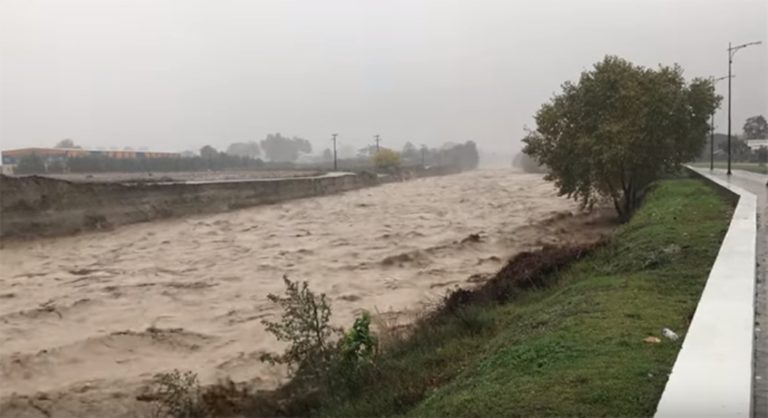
{"x": 712, "y": 143}
{"x": 731, "y": 53}
{"x": 377, "y": 139}
{"x": 335, "y": 164}
{"x": 712, "y": 129}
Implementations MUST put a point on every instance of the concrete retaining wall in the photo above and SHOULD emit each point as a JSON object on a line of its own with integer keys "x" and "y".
{"x": 39, "y": 206}
{"x": 712, "y": 375}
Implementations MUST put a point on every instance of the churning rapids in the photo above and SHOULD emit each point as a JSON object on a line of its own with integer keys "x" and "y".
{"x": 86, "y": 320}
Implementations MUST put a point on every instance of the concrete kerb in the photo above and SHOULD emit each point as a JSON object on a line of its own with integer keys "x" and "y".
{"x": 712, "y": 375}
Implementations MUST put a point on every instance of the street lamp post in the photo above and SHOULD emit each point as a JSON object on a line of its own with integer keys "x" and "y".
{"x": 335, "y": 166}
{"x": 712, "y": 129}
{"x": 731, "y": 52}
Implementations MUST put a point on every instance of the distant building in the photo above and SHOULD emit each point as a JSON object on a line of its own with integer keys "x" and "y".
{"x": 754, "y": 144}
{"x": 11, "y": 158}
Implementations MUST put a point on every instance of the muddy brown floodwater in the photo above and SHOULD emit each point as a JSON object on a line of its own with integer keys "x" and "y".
{"x": 86, "y": 320}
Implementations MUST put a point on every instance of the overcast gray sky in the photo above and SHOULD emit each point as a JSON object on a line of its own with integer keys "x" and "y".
{"x": 176, "y": 75}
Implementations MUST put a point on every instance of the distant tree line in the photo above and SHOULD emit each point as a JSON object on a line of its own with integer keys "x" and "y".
{"x": 756, "y": 127}
{"x": 280, "y": 151}
{"x": 462, "y": 156}
{"x": 528, "y": 164}
{"x": 35, "y": 164}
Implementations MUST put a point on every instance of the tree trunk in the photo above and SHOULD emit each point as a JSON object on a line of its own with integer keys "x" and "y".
{"x": 629, "y": 204}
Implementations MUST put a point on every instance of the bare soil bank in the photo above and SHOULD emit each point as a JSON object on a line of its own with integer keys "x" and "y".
{"x": 86, "y": 320}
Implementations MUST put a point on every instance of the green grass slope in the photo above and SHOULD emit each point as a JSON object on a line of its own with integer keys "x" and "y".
{"x": 574, "y": 348}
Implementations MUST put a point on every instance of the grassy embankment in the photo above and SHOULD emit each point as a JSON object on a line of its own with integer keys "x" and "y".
{"x": 574, "y": 347}
{"x": 753, "y": 167}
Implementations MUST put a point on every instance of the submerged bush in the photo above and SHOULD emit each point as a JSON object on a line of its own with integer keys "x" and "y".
{"x": 318, "y": 360}
{"x": 177, "y": 395}
{"x": 305, "y": 325}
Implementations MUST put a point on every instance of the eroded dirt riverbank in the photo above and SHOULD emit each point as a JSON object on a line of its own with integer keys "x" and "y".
{"x": 85, "y": 320}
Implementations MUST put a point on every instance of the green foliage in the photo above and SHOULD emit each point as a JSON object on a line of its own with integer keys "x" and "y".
{"x": 574, "y": 348}
{"x": 465, "y": 156}
{"x": 214, "y": 161}
{"x": 305, "y": 325}
{"x": 359, "y": 343}
{"x": 409, "y": 154}
{"x": 618, "y": 129}
{"x": 386, "y": 159}
{"x": 56, "y": 166}
{"x": 756, "y": 127}
{"x": 177, "y": 395}
{"x": 461, "y": 156}
{"x": 762, "y": 155}
{"x": 474, "y": 319}
{"x": 524, "y": 162}
{"x": 66, "y": 143}
{"x": 248, "y": 149}
{"x": 320, "y": 366}
{"x": 740, "y": 151}
{"x": 354, "y": 359}
{"x": 208, "y": 152}
{"x": 31, "y": 164}
{"x": 283, "y": 149}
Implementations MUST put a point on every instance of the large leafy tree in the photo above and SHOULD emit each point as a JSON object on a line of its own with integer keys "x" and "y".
{"x": 283, "y": 149}
{"x": 208, "y": 152}
{"x": 618, "y": 128}
{"x": 248, "y": 149}
{"x": 756, "y": 128}
{"x": 410, "y": 154}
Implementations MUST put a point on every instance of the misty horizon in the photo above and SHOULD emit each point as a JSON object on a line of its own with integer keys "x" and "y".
{"x": 175, "y": 77}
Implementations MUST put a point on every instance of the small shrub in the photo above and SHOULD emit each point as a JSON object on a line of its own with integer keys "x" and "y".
{"x": 356, "y": 354}
{"x": 305, "y": 324}
{"x": 359, "y": 343}
{"x": 320, "y": 365}
{"x": 176, "y": 395}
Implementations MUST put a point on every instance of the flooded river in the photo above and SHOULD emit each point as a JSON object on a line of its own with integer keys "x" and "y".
{"x": 91, "y": 317}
